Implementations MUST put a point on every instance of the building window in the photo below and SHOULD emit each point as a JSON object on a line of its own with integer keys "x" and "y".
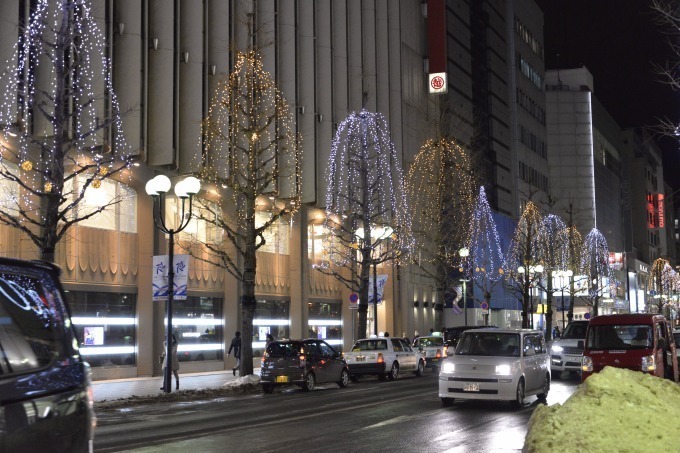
{"x": 198, "y": 325}
{"x": 276, "y": 236}
{"x": 325, "y": 322}
{"x": 105, "y": 326}
{"x": 120, "y": 200}
{"x": 9, "y": 190}
{"x": 198, "y": 230}
{"x": 271, "y": 317}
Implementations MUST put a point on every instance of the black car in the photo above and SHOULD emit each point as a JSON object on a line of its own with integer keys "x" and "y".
{"x": 45, "y": 393}
{"x": 301, "y": 362}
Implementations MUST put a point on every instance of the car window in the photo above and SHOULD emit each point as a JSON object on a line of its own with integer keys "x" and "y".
{"x": 370, "y": 345}
{"x": 326, "y": 349}
{"x": 489, "y": 344}
{"x": 624, "y": 336}
{"x": 29, "y": 314}
{"x": 405, "y": 346}
{"x": 396, "y": 344}
{"x": 676, "y": 336}
{"x": 575, "y": 331}
{"x": 281, "y": 349}
{"x": 534, "y": 342}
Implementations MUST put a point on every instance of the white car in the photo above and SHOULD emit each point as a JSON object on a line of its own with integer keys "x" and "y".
{"x": 433, "y": 347}
{"x": 496, "y": 364}
{"x": 566, "y": 352}
{"x": 384, "y": 357}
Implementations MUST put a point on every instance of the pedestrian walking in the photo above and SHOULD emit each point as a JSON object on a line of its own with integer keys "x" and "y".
{"x": 268, "y": 340}
{"x": 236, "y": 347}
{"x": 175, "y": 364}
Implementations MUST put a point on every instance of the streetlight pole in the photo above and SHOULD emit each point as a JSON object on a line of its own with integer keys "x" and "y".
{"x": 157, "y": 188}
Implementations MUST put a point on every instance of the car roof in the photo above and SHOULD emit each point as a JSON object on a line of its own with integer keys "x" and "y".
{"x": 626, "y": 318}
{"x": 496, "y": 330}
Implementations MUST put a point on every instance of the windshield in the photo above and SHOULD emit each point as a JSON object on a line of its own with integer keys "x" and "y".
{"x": 283, "y": 349}
{"x": 424, "y": 342}
{"x": 369, "y": 345}
{"x": 489, "y": 344}
{"x": 620, "y": 337}
{"x": 575, "y": 331}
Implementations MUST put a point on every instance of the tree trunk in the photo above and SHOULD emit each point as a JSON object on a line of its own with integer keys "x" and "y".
{"x": 549, "y": 310}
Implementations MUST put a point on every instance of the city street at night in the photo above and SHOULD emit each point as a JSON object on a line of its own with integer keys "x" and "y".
{"x": 405, "y": 415}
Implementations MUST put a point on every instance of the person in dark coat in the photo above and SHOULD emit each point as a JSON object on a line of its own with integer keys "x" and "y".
{"x": 268, "y": 340}
{"x": 236, "y": 347}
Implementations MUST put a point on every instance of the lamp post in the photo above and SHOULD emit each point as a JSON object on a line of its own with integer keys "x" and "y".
{"x": 464, "y": 252}
{"x": 157, "y": 188}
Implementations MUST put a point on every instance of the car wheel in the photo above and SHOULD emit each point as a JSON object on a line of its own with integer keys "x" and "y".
{"x": 354, "y": 377}
{"x": 447, "y": 402}
{"x": 546, "y": 388}
{"x": 310, "y": 381}
{"x": 268, "y": 388}
{"x": 519, "y": 395}
{"x": 394, "y": 372}
{"x": 344, "y": 378}
{"x": 421, "y": 369}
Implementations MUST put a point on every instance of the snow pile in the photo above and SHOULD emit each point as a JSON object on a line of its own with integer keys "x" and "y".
{"x": 248, "y": 381}
{"x": 616, "y": 409}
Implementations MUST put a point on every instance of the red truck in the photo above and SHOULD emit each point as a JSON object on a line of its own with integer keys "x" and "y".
{"x": 641, "y": 342}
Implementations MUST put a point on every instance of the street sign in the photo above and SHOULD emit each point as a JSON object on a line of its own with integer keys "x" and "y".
{"x": 485, "y": 308}
{"x": 353, "y": 301}
{"x": 160, "y": 277}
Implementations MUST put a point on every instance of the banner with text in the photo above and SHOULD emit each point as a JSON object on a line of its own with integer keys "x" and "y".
{"x": 160, "y": 277}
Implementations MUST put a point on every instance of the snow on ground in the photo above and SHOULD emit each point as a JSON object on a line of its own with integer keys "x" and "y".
{"x": 614, "y": 410}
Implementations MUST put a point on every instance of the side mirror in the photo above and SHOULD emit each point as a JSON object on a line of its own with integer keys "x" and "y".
{"x": 529, "y": 352}
{"x": 581, "y": 344}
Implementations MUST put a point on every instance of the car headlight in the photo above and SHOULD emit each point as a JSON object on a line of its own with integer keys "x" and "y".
{"x": 448, "y": 367}
{"x": 648, "y": 363}
{"x": 556, "y": 348}
{"x": 586, "y": 363}
{"x": 503, "y": 369}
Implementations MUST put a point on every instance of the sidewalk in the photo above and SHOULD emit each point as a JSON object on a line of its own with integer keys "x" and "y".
{"x": 147, "y": 386}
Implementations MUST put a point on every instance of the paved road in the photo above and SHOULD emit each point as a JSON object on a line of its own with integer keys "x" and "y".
{"x": 369, "y": 416}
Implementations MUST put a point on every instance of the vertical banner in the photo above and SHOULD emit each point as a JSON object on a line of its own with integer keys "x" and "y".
{"x": 160, "y": 277}
{"x": 436, "y": 46}
{"x": 382, "y": 279}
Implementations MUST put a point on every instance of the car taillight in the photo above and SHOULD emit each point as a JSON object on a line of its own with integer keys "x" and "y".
{"x": 439, "y": 353}
{"x": 302, "y": 360}
{"x": 649, "y": 363}
{"x": 586, "y": 364}
{"x": 381, "y": 359}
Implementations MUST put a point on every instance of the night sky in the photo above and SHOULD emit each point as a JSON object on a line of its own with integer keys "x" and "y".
{"x": 618, "y": 41}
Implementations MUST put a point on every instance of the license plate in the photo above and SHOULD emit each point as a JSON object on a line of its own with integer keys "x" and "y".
{"x": 471, "y": 387}
{"x": 281, "y": 379}
{"x": 361, "y": 359}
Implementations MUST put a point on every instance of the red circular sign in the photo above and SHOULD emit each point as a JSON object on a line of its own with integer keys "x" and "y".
{"x": 437, "y": 82}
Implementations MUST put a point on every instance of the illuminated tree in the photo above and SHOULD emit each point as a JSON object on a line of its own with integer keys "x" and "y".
{"x": 595, "y": 265}
{"x": 60, "y": 123}
{"x": 252, "y": 153}
{"x": 553, "y": 255}
{"x": 440, "y": 194}
{"x": 367, "y": 221}
{"x": 486, "y": 258}
{"x": 660, "y": 284}
{"x": 523, "y": 268}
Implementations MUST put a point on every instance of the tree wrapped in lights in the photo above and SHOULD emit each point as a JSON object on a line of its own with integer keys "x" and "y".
{"x": 574, "y": 266}
{"x": 60, "y": 122}
{"x": 252, "y": 152}
{"x": 523, "y": 268}
{"x": 486, "y": 258}
{"x": 660, "y": 284}
{"x": 367, "y": 221}
{"x": 554, "y": 256}
{"x": 440, "y": 193}
{"x": 595, "y": 265}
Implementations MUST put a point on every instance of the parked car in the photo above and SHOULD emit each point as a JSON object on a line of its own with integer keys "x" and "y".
{"x": 432, "y": 347}
{"x": 301, "y": 362}
{"x": 636, "y": 341}
{"x": 45, "y": 394}
{"x": 676, "y": 338}
{"x": 566, "y": 352}
{"x": 452, "y": 334}
{"x": 496, "y": 364}
{"x": 384, "y": 357}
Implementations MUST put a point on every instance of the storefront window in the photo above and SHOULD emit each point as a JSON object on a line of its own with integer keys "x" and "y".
{"x": 105, "y": 325}
{"x": 276, "y": 236}
{"x": 325, "y": 322}
{"x": 120, "y": 203}
{"x": 271, "y": 316}
{"x": 198, "y": 325}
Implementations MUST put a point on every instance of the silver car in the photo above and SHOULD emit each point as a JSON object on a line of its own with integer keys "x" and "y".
{"x": 496, "y": 364}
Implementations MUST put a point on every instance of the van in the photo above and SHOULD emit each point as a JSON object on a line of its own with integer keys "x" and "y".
{"x": 640, "y": 342}
{"x": 45, "y": 393}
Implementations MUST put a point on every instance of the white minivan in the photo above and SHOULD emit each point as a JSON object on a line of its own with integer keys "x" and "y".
{"x": 496, "y": 364}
